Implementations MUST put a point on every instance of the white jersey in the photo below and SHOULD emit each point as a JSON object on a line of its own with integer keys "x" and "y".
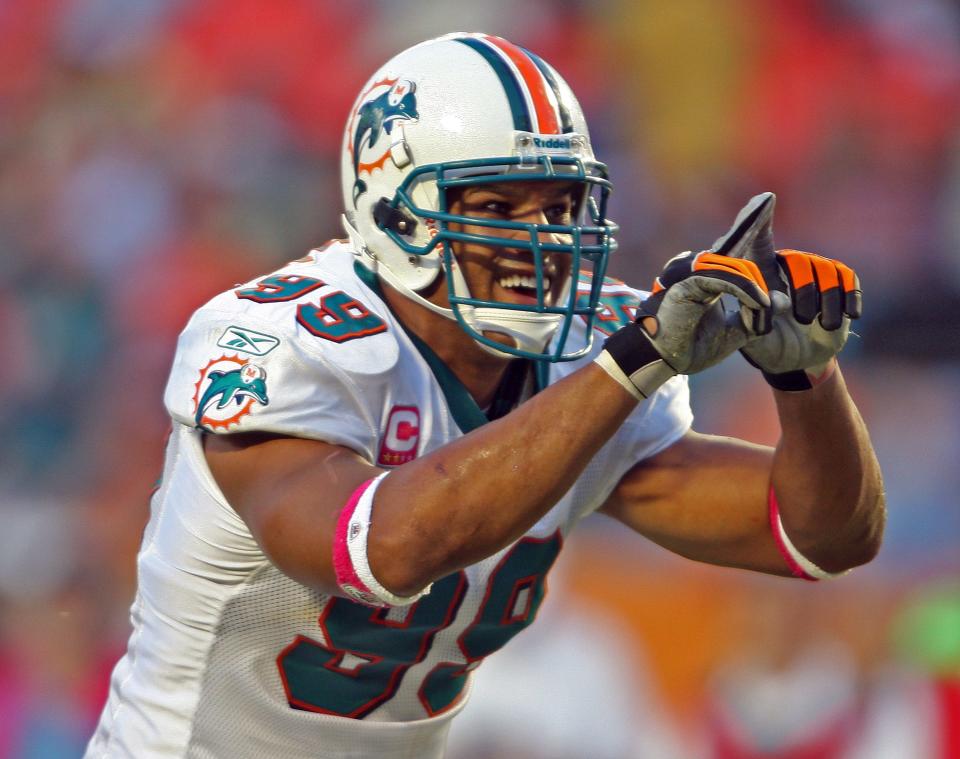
{"x": 230, "y": 658}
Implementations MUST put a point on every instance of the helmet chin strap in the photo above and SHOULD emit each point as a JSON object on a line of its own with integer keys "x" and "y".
{"x": 528, "y": 331}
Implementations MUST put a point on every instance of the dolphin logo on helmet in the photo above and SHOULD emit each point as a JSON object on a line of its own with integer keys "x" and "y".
{"x": 377, "y": 116}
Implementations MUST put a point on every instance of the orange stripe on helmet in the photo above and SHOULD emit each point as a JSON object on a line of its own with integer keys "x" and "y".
{"x": 537, "y": 86}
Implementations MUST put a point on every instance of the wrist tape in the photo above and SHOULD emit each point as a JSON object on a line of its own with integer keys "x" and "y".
{"x": 350, "y": 563}
{"x": 629, "y": 357}
{"x": 800, "y": 565}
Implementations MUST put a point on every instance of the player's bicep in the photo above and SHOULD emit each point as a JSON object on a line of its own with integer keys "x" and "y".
{"x": 289, "y": 492}
{"x": 704, "y": 497}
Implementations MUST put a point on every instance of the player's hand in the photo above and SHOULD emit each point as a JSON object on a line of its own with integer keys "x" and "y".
{"x": 814, "y": 299}
{"x": 683, "y": 327}
{"x": 685, "y": 318}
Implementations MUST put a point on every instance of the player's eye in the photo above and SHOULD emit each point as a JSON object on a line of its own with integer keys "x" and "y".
{"x": 559, "y": 213}
{"x": 498, "y": 207}
{"x": 492, "y": 207}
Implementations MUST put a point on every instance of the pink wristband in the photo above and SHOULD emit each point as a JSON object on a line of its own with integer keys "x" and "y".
{"x": 347, "y": 577}
{"x": 351, "y": 564}
{"x": 790, "y": 554}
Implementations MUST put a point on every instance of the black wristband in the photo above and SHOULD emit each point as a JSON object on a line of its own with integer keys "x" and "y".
{"x": 630, "y": 357}
{"x": 790, "y": 382}
{"x": 632, "y": 349}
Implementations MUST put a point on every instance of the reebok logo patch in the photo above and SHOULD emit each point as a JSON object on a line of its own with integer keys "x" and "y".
{"x": 248, "y": 341}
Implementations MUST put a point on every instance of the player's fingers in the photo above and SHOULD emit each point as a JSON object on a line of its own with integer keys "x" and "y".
{"x": 852, "y": 295}
{"x": 746, "y": 276}
{"x": 676, "y": 269}
{"x": 821, "y": 286}
{"x": 683, "y": 265}
{"x": 751, "y": 235}
{"x": 831, "y": 296}
{"x": 803, "y": 284}
{"x": 650, "y": 305}
{"x": 707, "y": 286}
{"x": 736, "y": 266}
{"x": 704, "y": 276}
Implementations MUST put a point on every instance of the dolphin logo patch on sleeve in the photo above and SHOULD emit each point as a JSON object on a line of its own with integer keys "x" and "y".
{"x": 229, "y": 389}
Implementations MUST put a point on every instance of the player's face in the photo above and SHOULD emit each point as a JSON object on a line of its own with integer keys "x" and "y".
{"x": 508, "y": 275}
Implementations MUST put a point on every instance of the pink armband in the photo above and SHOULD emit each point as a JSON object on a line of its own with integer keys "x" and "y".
{"x": 800, "y": 565}
{"x": 350, "y": 563}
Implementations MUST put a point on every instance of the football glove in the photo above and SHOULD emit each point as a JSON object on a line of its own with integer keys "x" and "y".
{"x": 814, "y": 298}
{"x": 690, "y": 329}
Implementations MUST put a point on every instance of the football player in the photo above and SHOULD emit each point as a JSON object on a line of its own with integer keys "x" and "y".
{"x": 379, "y": 450}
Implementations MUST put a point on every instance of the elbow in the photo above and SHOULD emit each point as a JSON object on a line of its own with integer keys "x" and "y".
{"x": 874, "y": 521}
{"x": 862, "y": 552}
{"x": 864, "y": 539}
{"x": 871, "y": 537}
{"x": 401, "y": 580}
{"x": 405, "y": 561}
{"x": 398, "y": 564}
{"x": 408, "y": 553}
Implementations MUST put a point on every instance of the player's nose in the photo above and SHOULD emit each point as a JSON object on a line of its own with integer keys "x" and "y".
{"x": 538, "y": 216}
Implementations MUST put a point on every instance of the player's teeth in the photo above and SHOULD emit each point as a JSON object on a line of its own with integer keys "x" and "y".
{"x": 517, "y": 280}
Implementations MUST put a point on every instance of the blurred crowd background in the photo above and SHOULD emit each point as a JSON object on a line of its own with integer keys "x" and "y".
{"x": 155, "y": 152}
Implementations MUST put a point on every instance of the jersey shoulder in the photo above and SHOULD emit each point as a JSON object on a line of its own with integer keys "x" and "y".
{"x": 616, "y": 306}
{"x": 618, "y": 301}
{"x": 306, "y": 350}
{"x": 319, "y": 303}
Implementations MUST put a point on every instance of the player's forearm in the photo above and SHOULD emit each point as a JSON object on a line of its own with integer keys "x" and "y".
{"x": 467, "y": 500}
{"x": 826, "y": 477}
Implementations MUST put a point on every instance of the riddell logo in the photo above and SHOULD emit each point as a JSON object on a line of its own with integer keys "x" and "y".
{"x": 552, "y": 143}
{"x": 400, "y": 440}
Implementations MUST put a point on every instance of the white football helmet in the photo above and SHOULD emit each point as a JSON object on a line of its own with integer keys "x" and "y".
{"x": 464, "y": 110}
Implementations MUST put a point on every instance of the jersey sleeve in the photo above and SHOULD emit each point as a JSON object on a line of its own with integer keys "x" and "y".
{"x": 234, "y": 372}
{"x": 655, "y": 423}
{"x": 658, "y": 422}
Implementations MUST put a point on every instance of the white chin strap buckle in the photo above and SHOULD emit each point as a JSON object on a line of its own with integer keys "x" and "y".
{"x": 529, "y": 332}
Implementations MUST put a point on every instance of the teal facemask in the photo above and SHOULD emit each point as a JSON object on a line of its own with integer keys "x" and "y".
{"x": 540, "y": 329}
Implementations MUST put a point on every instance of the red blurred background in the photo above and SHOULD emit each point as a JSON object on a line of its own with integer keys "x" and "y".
{"x": 155, "y": 152}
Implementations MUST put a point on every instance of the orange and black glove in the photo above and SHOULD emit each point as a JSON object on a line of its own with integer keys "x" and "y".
{"x": 814, "y": 298}
{"x": 683, "y": 327}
